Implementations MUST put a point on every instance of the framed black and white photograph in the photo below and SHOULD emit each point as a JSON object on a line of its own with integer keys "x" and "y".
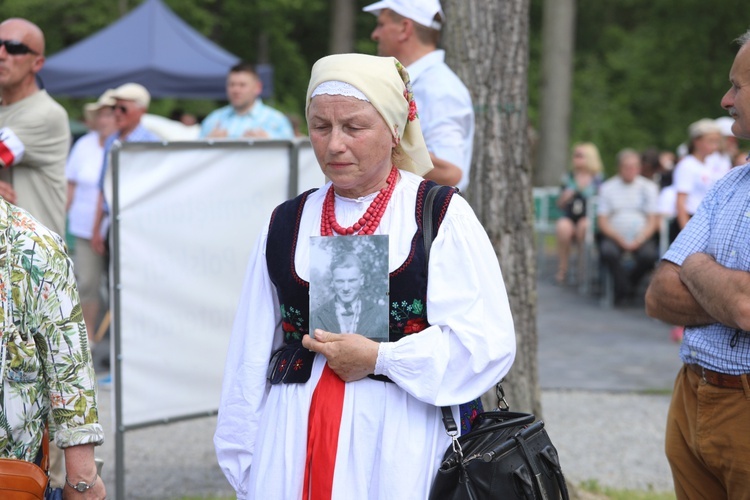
{"x": 349, "y": 285}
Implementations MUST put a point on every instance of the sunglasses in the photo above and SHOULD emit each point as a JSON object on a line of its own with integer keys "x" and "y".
{"x": 16, "y": 48}
{"x": 122, "y": 109}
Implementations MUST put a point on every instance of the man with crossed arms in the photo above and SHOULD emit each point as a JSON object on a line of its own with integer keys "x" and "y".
{"x": 703, "y": 282}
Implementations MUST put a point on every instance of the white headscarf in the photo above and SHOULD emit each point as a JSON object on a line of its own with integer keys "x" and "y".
{"x": 385, "y": 83}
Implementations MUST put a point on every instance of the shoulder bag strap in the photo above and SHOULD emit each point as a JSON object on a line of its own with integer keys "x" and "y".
{"x": 448, "y": 421}
{"x": 427, "y": 234}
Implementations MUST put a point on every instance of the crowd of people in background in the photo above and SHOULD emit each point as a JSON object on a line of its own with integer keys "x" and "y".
{"x": 643, "y": 206}
{"x": 635, "y": 214}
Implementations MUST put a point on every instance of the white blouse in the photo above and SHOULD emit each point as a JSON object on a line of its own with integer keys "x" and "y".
{"x": 391, "y": 438}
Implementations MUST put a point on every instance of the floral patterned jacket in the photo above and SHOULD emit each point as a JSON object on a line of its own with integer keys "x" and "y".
{"x": 45, "y": 361}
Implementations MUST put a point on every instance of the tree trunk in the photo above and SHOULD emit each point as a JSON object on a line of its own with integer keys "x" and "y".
{"x": 487, "y": 45}
{"x": 558, "y": 33}
{"x": 342, "y": 26}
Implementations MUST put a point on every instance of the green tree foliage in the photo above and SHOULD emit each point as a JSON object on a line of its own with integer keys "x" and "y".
{"x": 289, "y": 34}
{"x": 645, "y": 70}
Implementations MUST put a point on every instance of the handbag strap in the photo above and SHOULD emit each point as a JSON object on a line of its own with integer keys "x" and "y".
{"x": 448, "y": 421}
{"x": 44, "y": 465}
{"x": 427, "y": 235}
{"x": 427, "y": 228}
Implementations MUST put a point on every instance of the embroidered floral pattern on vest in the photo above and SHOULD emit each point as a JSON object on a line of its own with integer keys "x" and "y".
{"x": 293, "y": 324}
{"x": 408, "y": 317}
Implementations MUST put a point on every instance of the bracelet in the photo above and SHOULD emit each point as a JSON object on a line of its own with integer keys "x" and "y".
{"x": 81, "y": 486}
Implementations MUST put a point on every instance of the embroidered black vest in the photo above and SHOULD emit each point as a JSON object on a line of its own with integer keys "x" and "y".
{"x": 407, "y": 288}
{"x": 408, "y": 283}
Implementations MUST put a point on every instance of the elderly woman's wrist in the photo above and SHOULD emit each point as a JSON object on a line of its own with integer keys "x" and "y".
{"x": 81, "y": 482}
{"x": 81, "y": 473}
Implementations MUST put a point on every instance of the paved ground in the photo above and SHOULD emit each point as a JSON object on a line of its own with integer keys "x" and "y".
{"x": 584, "y": 346}
{"x": 605, "y": 376}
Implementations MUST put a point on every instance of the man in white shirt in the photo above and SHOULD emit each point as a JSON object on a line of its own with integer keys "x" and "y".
{"x": 627, "y": 216}
{"x": 409, "y": 30}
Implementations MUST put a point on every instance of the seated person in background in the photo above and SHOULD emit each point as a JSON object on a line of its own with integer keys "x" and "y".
{"x": 578, "y": 187}
{"x": 246, "y": 115}
{"x": 651, "y": 166}
{"x": 628, "y": 219}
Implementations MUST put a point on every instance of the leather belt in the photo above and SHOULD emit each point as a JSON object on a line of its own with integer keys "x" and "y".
{"x": 716, "y": 378}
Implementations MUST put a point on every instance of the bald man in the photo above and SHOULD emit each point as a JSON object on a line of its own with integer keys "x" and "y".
{"x": 34, "y": 129}
{"x": 34, "y": 144}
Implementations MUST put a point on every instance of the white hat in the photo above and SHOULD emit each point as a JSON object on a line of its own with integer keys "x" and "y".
{"x": 133, "y": 92}
{"x": 702, "y": 127}
{"x": 725, "y": 124}
{"x": 420, "y": 11}
{"x": 104, "y": 101}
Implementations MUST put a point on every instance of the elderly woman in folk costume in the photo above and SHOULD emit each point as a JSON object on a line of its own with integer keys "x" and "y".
{"x": 355, "y": 418}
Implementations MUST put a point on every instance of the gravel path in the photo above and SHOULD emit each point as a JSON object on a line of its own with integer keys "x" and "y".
{"x": 597, "y": 367}
{"x": 613, "y": 438}
{"x": 616, "y": 439}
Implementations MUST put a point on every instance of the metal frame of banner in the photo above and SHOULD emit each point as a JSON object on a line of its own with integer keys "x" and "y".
{"x": 295, "y": 148}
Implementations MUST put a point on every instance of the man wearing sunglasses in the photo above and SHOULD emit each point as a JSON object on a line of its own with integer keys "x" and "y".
{"x": 34, "y": 129}
{"x": 34, "y": 144}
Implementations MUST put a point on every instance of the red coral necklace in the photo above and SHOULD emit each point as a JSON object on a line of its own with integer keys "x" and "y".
{"x": 369, "y": 221}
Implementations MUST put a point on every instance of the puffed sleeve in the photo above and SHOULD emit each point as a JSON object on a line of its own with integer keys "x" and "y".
{"x": 471, "y": 343}
{"x": 255, "y": 333}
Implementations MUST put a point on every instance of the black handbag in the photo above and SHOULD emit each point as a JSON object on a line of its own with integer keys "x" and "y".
{"x": 506, "y": 455}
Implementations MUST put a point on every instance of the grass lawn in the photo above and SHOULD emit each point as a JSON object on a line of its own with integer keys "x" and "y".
{"x": 598, "y": 492}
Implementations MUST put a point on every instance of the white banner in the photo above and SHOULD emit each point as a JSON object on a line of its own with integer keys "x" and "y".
{"x": 310, "y": 176}
{"x": 188, "y": 217}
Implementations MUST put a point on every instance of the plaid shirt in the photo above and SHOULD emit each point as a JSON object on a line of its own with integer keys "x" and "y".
{"x": 720, "y": 228}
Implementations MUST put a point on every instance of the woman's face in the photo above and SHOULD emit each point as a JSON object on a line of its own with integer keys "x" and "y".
{"x": 580, "y": 161}
{"x": 352, "y": 143}
{"x": 707, "y": 144}
{"x": 104, "y": 121}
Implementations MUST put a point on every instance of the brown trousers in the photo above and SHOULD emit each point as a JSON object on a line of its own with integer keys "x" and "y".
{"x": 708, "y": 439}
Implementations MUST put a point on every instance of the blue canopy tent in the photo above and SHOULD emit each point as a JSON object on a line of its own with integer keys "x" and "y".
{"x": 151, "y": 46}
